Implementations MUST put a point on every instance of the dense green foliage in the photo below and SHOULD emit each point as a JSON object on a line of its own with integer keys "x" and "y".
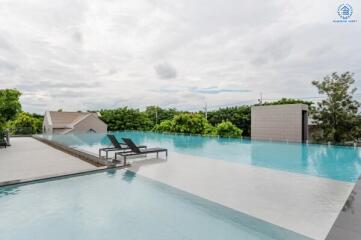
{"x": 164, "y": 126}
{"x": 9, "y": 105}
{"x": 126, "y": 119}
{"x": 288, "y": 101}
{"x": 228, "y": 129}
{"x": 195, "y": 123}
{"x": 157, "y": 114}
{"x": 189, "y": 123}
{"x": 337, "y": 115}
{"x": 25, "y": 123}
{"x": 240, "y": 116}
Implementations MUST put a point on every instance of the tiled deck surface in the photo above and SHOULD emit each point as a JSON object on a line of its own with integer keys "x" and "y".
{"x": 305, "y": 204}
{"x": 28, "y": 158}
{"x": 348, "y": 223}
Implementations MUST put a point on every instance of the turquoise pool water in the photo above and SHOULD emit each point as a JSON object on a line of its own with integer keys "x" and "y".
{"x": 333, "y": 162}
{"x": 113, "y": 205}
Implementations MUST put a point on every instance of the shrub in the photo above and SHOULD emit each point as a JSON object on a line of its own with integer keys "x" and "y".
{"x": 164, "y": 126}
{"x": 189, "y": 123}
{"x": 185, "y": 123}
{"x": 227, "y": 129}
{"x": 210, "y": 130}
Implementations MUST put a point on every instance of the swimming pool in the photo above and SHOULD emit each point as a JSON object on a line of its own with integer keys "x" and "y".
{"x": 332, "y": 162}
{"x": 118, "y": 204}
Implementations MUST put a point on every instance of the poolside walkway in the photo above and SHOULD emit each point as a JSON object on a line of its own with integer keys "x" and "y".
{"x": 348, "y": 223}
{"x": 28, "y": 158}
{"x": 305, "y": 204}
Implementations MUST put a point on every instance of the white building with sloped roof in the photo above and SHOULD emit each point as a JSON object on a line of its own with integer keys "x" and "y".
{"x": 72, "y": 122}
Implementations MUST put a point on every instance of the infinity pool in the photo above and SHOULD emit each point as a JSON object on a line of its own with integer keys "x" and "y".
{"x": 332, "y": 162}
{"x": 121, "y": 205}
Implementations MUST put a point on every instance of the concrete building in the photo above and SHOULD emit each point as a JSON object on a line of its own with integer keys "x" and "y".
{"x": 280, "y": 122}
{"x": 72, "y": 122}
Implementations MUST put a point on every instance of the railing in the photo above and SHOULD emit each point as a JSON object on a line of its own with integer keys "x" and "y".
{"x": 5, "y": 135}
{"x": 355, "y": 143}
{"x": 22, "y": 131}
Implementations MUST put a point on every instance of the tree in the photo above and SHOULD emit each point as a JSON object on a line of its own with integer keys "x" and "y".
{"x": 24, "y": 124}
{"x": 126, "y": 119}
{"x": 193, "y": 123}
{"x": 228, "y": 129}
{"x": 37, "y": 116}
{"x": 240, "y": 116}
{"x": 337, "y": 115}
{"x": 9, "y": 105}
{"x": 157, "y": 114}
{"x": 189, "y": 123}
{"x": 164, "y": 126}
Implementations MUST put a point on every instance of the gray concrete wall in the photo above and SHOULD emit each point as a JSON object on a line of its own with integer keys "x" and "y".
{"x": 277, "y": 122}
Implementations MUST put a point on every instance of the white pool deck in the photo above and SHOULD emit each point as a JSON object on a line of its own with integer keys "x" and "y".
{"x": 28, "y": 158}
{"x": 304, "y": 204}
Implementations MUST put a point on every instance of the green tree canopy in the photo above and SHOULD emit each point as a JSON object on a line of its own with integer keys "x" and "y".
{"x": 157, "y": 114}
{"x": 25, "y": 123}
{"x": 189, "y": 123}
{"x": 228, "y": 129}
{"x": 164, "y": 126}
{"x": 9, "y": 105}
{"x": 337, "y": 115}
{"x": 193, "y": 123}
{"x": 126, "y": 119}
{"x": 240, "y": 116}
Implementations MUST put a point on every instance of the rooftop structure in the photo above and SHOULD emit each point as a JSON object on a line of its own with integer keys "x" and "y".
{"x": 280, "y": 122}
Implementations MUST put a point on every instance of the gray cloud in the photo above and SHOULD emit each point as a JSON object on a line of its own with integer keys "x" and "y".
{"x": 78, "y": 36}
{"x": 165, "y": 71}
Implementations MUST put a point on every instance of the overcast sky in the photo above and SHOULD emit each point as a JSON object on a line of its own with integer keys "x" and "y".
{"x": 92, "y": 54}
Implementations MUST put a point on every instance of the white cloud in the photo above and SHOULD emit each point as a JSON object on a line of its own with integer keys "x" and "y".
{"x": 91, "y": 54}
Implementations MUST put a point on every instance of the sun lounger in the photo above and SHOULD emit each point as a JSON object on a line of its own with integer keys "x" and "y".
{"x": 135, "y": 150}
{"x": 117, "y": 146}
